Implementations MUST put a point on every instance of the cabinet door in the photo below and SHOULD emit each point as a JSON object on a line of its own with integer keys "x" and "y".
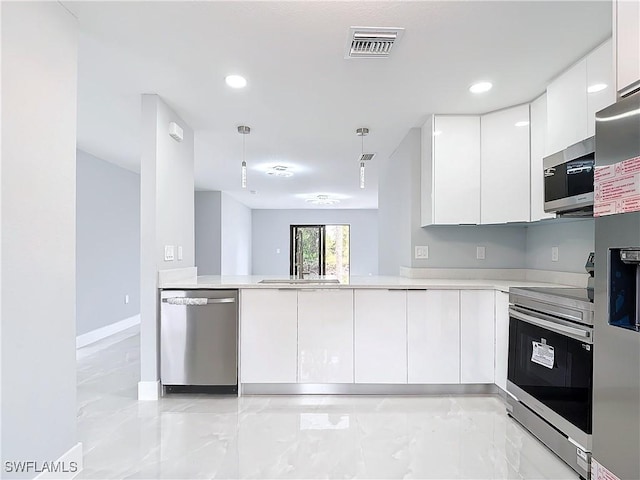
{"x": 380, "y": 336}
{"x": 567, "y": 108}
{"x": 269, "y": 336}
{"x": 433, "y": 336}
{"x": 504, "y": 184}
{"x": 627, "y": 33}
{"x": 599, "y": 72}
{"x": 325, "y": 336}
{"x": 456, "y": 170}
{"x": 477, "y": 336}
{"x": 538, "y": 132}
{"x": 502, "y": 339}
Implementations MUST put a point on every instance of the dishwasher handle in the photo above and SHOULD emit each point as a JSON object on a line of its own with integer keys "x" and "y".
{"x": 197, "y": 301}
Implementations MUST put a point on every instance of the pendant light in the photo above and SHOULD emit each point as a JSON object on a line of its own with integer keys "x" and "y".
{"x": 362, "y": 132}
{"x": 244, "y": 131}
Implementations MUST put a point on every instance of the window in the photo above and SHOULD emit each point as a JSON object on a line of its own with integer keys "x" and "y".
{"x": 319, "y": 250}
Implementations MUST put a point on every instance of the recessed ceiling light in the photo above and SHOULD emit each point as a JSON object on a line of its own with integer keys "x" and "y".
{"x": 322, "y": 200}
{"x": 280, "y": 171}
{"x": 480, "y": 87}
{"x": 236, "y": 81}
{"x": 598, "y": 87}
{"x": 522, "y": 123}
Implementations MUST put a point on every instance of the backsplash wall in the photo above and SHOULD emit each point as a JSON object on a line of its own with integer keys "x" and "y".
{"x": 574, "y": 239}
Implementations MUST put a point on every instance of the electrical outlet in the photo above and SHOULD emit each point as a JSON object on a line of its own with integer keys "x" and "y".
{"x": 277, "y": 250}
{"x": 422, "y": 252}
{"x": 169, "y": 254}
{"x": 480, "y": 253}
{"x": 126, "y": 299}
{"x": 554, "y": 254}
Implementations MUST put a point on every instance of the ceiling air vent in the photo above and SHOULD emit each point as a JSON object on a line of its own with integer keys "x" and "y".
{"x": 372, "y": 42}
{"x": 365, "y": 157}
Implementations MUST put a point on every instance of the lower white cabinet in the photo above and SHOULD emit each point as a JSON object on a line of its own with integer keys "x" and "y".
{"x": 433, "y": 336}
{"x": 477, "y": 336}
{"x": 380, "y": 336}
{"x": 269, "y": 336}
{"x": 502, "y": 339}
{"x": 325, "y": 336}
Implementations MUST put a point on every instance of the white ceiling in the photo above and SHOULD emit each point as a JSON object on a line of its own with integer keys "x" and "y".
{"x": 304, "y": 101}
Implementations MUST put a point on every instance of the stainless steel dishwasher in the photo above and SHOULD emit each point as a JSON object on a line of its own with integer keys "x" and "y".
{"x": 199, "y": 341}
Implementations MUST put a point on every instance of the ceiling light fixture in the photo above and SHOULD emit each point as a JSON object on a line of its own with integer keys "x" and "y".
{"x": 280, "y": 171}
{"x": 236, "y": 81}
{"x": 363, "y": 132}
{"x": 322, "y": 200}
{"x": 244, "y": 131}
{"x": 522, "y": 123}
{"x": 598, "y": 87}
{"x": 480, "y": 87}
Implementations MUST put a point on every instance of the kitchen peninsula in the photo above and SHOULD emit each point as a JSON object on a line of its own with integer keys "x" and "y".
{"x": 372, "y": 335}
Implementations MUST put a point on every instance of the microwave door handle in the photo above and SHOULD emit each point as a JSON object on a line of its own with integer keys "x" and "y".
{"x": 555, "y": 327}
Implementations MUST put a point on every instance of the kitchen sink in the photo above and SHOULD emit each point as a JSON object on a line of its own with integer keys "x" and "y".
{"x": 300, "y": 281}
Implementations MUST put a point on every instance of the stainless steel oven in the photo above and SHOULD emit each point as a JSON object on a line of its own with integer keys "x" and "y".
{"x": 550, "y": 368}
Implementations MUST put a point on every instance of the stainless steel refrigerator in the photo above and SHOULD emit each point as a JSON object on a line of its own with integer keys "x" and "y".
{"x": 616, "y": 363}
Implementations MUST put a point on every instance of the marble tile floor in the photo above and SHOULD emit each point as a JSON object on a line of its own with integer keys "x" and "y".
{"x": 194, "y": 437}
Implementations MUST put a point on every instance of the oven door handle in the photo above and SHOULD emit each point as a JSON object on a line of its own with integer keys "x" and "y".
{"x": 554, "y": 327}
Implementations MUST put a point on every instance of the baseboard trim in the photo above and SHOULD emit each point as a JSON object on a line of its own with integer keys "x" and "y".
{"x": 106, "y": 331}
{"x": 68, "y": 466}
{"x": 366, "y": 389}
{"x": 149, "y": 390}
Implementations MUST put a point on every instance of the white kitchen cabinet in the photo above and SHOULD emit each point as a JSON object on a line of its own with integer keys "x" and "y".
{"x": 477, "y": 337}
{"x": 325, "y": 336}
{"x": 505, "y": 167}
{"x": 269, "y": 336}
{"x": 380, "y": 336}
{"x": 538, "y": 132}
{"x": 600, "y": 71}
{"x": 567, "y": 108}
{"x": 627, "y": 34}
{"x": 502, "y": 339}
{"x": 451, "y": 170}
{"x": 433, "y": 336}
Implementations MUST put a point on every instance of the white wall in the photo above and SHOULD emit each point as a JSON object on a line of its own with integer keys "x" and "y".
{"x": 208, "y": 228}
{"x": 166, "y": 215}
{"x": 574, "y": 239}
{"x": 39, "y": 72}
{"x": 236, "y": 237}
{"x": 270, "y": 232}
{"x": 394, "y": 205}
{"x": 107, "y": 243}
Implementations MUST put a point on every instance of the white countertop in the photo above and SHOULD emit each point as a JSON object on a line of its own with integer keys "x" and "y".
{"x": 382, "y": 282}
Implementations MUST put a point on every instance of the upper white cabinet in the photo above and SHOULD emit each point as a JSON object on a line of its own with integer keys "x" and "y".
{"x": 505, "y": 166}
{"x": 627, "y": 34}
{"x": 600, "y": 73}
{"x": 380, "y": 336}
{"x": 433, "y": 336}
{"x": 567, "y": 108}
{"x": 571, "y": 107}
{"x": 538, "y": 133}
{"x": 451, "y": 170}
{"x": 477, "y": 336}
{"x": 269, "y": 336}
{"x": 325, "y": 336}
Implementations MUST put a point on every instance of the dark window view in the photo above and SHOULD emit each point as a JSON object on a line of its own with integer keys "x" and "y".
{"x": 320, "y": 250}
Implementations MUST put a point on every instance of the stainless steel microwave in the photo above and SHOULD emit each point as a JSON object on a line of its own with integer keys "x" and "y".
{"x": 568, "y": 179}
